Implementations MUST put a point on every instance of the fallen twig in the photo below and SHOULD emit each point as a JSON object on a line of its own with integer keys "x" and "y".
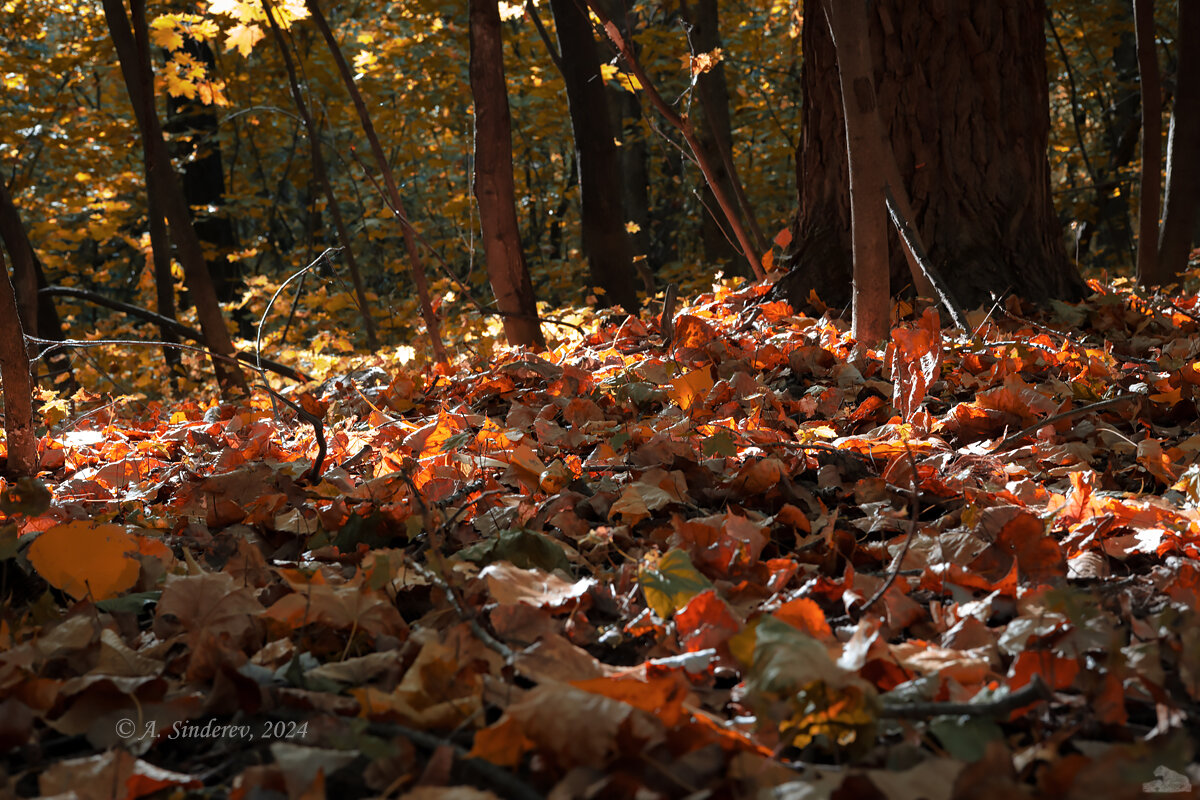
{"x": 1035, "y": 427}
{"x": 914, "y": 509}
{"x": 918, "y": 254}
{"x": 1031, "y": 692}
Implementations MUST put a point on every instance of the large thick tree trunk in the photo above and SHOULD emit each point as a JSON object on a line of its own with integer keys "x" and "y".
{"x": 1182, "y": 204}
{"x": 493, "y": 180}
{"x": 605, "y": 240}
{"x": 963, "y": 95}
{"x": 131, "y": 40}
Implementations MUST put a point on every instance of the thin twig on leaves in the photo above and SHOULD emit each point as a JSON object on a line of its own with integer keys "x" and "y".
{"x": 918, "y": 253}
{"x": 1008, "y": 442}
{"x": 914, "y": 510}
{"x": 1031, "y": 692}
{"x": 488, "y": 639}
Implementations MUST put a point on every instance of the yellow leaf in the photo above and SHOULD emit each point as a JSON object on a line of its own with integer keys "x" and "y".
{"x": 687, "y": 389}
{"x": 243, "y": 37}
{"x": 164, "y": 33}
{"x": 86, "y": 560}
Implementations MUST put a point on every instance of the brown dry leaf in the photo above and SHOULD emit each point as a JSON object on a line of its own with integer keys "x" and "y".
{"x": 547, "y": 720}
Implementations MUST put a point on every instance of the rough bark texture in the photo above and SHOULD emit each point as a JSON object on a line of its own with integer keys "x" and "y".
{"x": 134, "y": 56}
{"x": 1182, "y": 204}
{"x": 962, "y": 93}
{"x": 605, "y": 241}
{"x": 493, "y": 180}
{"x": 20, "y": 437}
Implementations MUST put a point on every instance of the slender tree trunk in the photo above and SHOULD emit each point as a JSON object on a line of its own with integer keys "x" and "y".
{"x": 1182, "y": 205}
{"x": 1148, "y": 269}
{"x": 134, "y": 56}
{"x": 24, "y": 261}
{"x": 322, "y": 176}
{"x": 963, "y": 97}
{"x": 389, "y": 181}
{"x": 625, "y": 109}
{"x": 716, "y": 134}
{"x": 727, "y": 204}
{"x": 194, "y": 144}
{"x": 160, "y": 256}
{"x": 605, "y": 240}
{"x": 493, "y": 180}
{"x": 865, "y": 155}
{"x": 21, "y": 439}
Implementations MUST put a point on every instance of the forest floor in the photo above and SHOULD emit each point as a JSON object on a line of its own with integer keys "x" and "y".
{"x": 741, "y": 557}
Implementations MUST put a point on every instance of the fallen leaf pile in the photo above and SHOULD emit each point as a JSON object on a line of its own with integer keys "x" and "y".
{"x": 753, "y": 556}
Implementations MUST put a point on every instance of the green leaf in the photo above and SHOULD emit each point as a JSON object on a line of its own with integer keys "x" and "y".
{"x": 719, "y": 444}
{"x": 670, "y": 584}
{"x": 521, "y": 548}
{"x": 965, "y": 738}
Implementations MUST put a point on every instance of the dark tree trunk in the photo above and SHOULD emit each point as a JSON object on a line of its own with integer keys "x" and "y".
{"x": 164, "y": 281}
{"x": 1182, "y": 205}
{"x": 20, "y": 436}
{"x": 133, "y": 52}
{"x": 963, "y": 95}
{"x": 716, "y": 135}
{"x": 493, "y": 180}
{"x": 625, "y": 110}
{"x": 194, "y": 143}
{"x": 27, "y": 273}
{"x": 1148, "y": 269}
{"x": 605, "y": 240}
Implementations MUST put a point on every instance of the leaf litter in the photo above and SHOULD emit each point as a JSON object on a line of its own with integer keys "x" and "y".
{"x": 735, "y": 556}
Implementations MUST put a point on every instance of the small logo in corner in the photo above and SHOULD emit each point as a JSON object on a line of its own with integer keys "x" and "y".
{"x": 1167, "y": 781}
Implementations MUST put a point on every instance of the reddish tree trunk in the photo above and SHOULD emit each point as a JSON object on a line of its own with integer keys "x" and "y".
{"x": 20, "y": 437}
{"x": 963, "y": 96}
{"x": 866, "y": 155}
{"x": 1182, "y": 203}
{"x": 605, "y": 240}
{"x": 493, "y": 180}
